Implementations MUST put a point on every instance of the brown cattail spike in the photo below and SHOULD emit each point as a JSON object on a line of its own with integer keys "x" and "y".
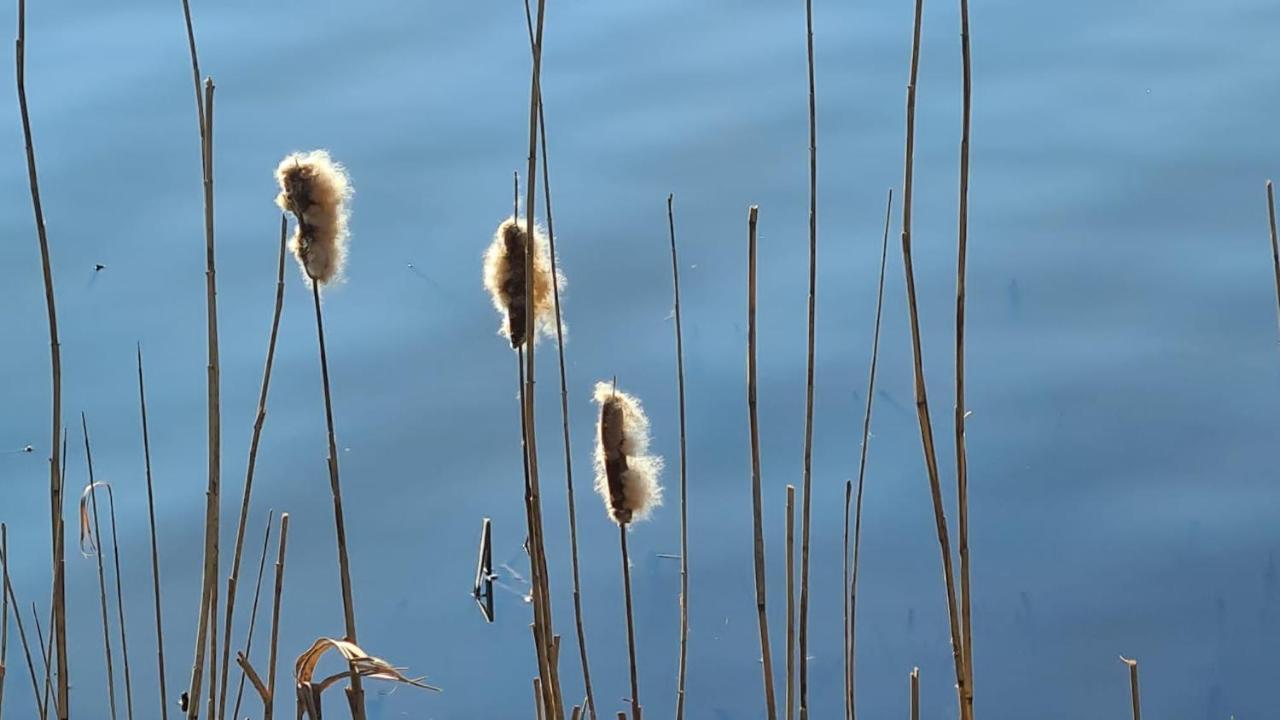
{"x": 504, "y": 278}
{"x": 626, "y": 476}
{"x": 315, "y": 189}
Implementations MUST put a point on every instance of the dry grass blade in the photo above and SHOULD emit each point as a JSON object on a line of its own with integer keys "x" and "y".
{"x": 59, "y": 629}
{"x": 155, "y": 545}
{"x": 1133, "y": 685}
{"x": 359, "y": 661}
{"x": 93, "y": 534}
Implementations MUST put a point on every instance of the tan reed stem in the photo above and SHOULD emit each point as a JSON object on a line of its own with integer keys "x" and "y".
{"x": 17, "y": 616}
{"x": 791, "y": 602}
{"x": 253, "y": 613}
{"x": 124, "y": 635}
{"x": 809, "y": 368}
{"x": 48, "y": 657}
{"x": 535, "y": 588}
{"x": 684, "y": 485}
{"x": 851, "y": 646}
{"x": 1133, "y": 686}
{"x": 757, "y": 501}
{"x": 537, "y": 699}
{"x": 56, "y": 525}
{"x": 962, "y": 453}
{"x": 258, "y": 422}
{"x": 1275, "y": 241}
{"x": 631, "y": 623}
{"x": 922, "y": 401}
{"x": 102, "y": 576}
{"x": 41, "y": 647}
{"x": 915, "y": 694}
{"x": 155, "y": 545}
{"x": 275, "y": 618}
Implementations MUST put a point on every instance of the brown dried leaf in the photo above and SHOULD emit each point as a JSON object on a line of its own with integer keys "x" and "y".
{"x": 360, "y": 661}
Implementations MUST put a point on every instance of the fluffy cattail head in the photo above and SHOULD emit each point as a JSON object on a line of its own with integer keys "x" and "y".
{"x": 626, "y": 477}
{"x": 504, "y": 278}
{"x": 315, "y": 189}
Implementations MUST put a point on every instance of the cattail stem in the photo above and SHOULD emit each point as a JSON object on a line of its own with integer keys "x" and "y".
{"x": 852, "y": 605}
{"x": 791, "y": 601}
{"x": 757, "y": 501}
{"x": 808, "y": 405}
{"x": 1133, "y": 686}
{"x": 1275, "y": 240}
{"x": 631, "y": 623}
{"x": 155, "y": 545}
{"x": 59, "y": 630}
{"x": 124, "y": 635}
{"x": 355, "y": 693}
{"x": 684, "y": 486}
{"x": 7, "y": 590}
{"x": 254, "y": 442}
{"x": 269, "y": 711}
{"x": 253, "y": 613}
{"x": 962, "y": 453}
{"x": 922, "y": 400}
{"x": 915, "y": 694}
{"x": 102, "y": 577}
{"x": 535, "y": 587}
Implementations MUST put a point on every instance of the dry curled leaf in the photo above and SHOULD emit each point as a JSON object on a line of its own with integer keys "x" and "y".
{"x": 89, "y": 544}
{"x": 360, "y": 661}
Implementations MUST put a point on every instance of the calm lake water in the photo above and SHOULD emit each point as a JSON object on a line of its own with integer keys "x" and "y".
{"x": 1124, "y": 372}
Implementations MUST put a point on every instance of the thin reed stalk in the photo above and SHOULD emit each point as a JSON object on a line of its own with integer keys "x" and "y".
{"x": 124, "y": 634}
{"x": 535, "y": 588}
{"x": 757, "y": 501}
{"x": 1133, "y": 686}
{"x": 253, "y": 612}
{"x": 56, "y": 525}
{"x": 564, "y": 391}
{"x": 1275, "y": 241}
{"x": 17, "y": 617}
{"x": 48, "y": 656}
{"x": 962, "y": 453}
{"x": 355, "y": 691}
{"x": 155, "y": 545}
{"x": 258, "y": 422}
{"x": 915, "y": 694}
{"x": 96, "y": 544}
{"x": 850, "y": 664}
{"x": 4, "y": 613}
{"x": 684, "y": 485}
{"x": 631, "y": 624}
{"x": 809, "y": 368}
{"x": 847, "y": 651}
{"x": 40, "y": 644}
{"x": 791, "y": 601}
{"x": 275, "y": 618}
{"x": 922, "y": 400}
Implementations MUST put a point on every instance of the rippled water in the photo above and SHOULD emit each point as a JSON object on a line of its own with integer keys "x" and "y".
{"x": 1123, "y": 364}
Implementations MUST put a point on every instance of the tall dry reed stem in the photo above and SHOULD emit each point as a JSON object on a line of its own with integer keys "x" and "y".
{"x": 155, "y": 544}
{"x": 275, "y": 617}
{"x": 852, "y": 601}
{"x": 791, "y": 602}
{"x": 58, "y": 632}
{"x": 258, "y": 422}
{"x": 922, "y": 400}
{"x": 253, "y": 612}
{"x": 96, "y": 544}
{"x": 1133, "y": 686}
{"x": 845, "y": 596}
{"x": 962, "y": 453}
{"x": 684, "y": 485}
{"x": 809, "y": 368}
{"x": 4, "y": 613}
{"x": 915, "y": 693}
{"x": 1275, "y": 240}
{"x": 636, "y": 710}
{"x": 7, "y": 591}
{"x": 124, "y": 635}
{"x": 757, "y": 501}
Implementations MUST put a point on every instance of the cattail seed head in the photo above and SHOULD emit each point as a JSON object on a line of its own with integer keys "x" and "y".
{"x": 626, "y": 476}
{"x": 504, "y": 278}
{"x": 315, "y": 189}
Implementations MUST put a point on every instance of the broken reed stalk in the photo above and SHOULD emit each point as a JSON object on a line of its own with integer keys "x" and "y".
{"x": 962, "y": 453}
{"x": 915, "y": 693}
{"x": 791, "y": 601}
{"x": 684, "y": 486}
{"x": 124, "y": 635}
{"x": 258, "y": 422}
{"x": 269, "y": 711}
{"x": 155, "y": 545}
{"x": 756, "y": 499}
{"x": 96, "y": 544}
{"x": 1275, "y": 241}
{"x": 564, "y": 391}
{"x": 922, "y": 400}
{"x": 808, "y": 402}
{"x": 631, "y": 624}
{"x": 852, "y": 601}
{"x": 58, "y": 631}
{"x": 17, "y": 616}
{"x": 1133, "y": 685}
{"x": 253, "y": 614}
{"x": 537, "y": 699}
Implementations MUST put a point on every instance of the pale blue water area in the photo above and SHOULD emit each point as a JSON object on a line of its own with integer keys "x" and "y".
{"x": 1124, "y": 371}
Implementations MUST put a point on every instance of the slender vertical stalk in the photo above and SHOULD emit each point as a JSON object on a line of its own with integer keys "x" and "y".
{"x": 962, "y": 453}
{"x": 922, "y": 400}
{"x": 1275, "y": 241}
{"x": 791, "y": 602}
{"x": 155, "y": 545}
{"x": 845, "y": 597}
{"x": 537, "y": 699}
{"x": 757, "y": 501}
{"x": 808, "y": 395}
{"x": 1133, "y": 685}
{"x": 915, "y": 693}
{"x": 535, "y": 588}
{"x": 253, "y": 613}
{"x": 258, "y": 423}
{"x": 17, "y": 617}
{"x": 631, "y": 623}
{"x": 48, "y": 657}
{"x": 124, "y": 635}
{"x": 684, "y": 484}
{"x": 564, "y": 392}
{"x": 59, "y": 629}
{"x": 102, "y": 576}
{"x": 275, "y": 618}
{"x": 4, "y": 612}
{"x": 355, "y": 692}
{"x": 40, "y": 646}
{"x": 851, "y": 646}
